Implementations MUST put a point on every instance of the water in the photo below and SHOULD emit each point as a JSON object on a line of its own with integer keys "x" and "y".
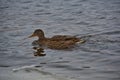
{"x": 97, "y": 59}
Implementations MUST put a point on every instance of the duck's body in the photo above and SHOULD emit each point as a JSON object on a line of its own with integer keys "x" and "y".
{"x": 56, "y": 42}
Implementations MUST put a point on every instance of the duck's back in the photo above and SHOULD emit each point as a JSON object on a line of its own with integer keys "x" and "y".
{"x": 64, "y": 37}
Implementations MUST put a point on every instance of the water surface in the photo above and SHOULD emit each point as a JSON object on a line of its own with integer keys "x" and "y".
{"x": 97, "y": 59}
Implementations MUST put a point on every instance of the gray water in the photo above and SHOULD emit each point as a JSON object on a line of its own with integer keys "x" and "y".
{"x": 97, "y": 59}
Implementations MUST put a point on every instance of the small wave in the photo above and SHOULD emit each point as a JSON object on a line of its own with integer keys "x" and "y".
{"x": 107, "y": 33}
{"x": 4, "y": 65}
{"x": 10, "y": 29}
{"x": 111, "y": 32}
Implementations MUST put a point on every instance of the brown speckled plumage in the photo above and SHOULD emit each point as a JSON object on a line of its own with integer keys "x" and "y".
{"x": 55, "y": 42}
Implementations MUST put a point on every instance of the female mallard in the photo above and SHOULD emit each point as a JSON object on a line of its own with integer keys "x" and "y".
{"x": 56, "y": 42}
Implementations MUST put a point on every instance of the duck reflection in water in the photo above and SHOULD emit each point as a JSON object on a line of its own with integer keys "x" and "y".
{"x": 39, "y": 51}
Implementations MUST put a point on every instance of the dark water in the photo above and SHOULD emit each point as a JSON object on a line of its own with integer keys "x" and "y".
{"x": 97, "y": 59}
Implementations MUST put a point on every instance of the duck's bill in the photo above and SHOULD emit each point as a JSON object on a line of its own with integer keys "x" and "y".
{"x": 33, "y": 35}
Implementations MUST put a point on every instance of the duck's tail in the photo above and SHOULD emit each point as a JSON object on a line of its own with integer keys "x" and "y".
{"x": 81, "y": 41}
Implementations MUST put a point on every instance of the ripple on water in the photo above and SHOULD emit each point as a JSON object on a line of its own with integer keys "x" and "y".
{"x": 96, "y": 59}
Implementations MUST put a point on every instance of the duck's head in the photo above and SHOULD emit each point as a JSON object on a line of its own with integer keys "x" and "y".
{"x": 38, "y": 33}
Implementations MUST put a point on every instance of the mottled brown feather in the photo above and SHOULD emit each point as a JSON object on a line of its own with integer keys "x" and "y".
{"x": 57, "y": 41}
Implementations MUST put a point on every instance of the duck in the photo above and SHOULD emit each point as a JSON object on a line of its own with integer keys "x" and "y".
{"x": 57, "y": 41}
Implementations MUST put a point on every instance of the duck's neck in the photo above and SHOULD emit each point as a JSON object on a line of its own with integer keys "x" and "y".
{"x": 41, "y": 37}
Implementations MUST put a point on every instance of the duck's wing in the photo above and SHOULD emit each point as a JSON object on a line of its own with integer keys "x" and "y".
{"x": 60, "y": 44}
{"x": 63, "y": 37}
